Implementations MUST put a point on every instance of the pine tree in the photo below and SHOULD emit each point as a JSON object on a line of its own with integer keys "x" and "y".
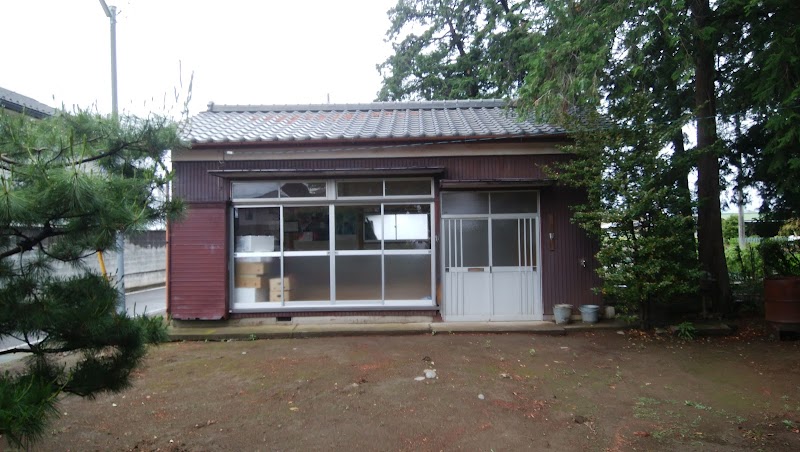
{"x": 68, "y": 184}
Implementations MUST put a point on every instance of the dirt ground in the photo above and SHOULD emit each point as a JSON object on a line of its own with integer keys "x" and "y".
{"x": 585, "y": 391}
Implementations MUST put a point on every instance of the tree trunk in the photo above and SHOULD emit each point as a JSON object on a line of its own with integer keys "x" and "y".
{"x": 709, "y": 218}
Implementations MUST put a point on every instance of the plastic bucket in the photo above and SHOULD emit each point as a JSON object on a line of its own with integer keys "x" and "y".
{"x": 589, "y": 313}
{"x": 562, "y": 313}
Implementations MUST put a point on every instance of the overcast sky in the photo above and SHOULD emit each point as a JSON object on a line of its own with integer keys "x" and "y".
{"x": 240, "y": 51}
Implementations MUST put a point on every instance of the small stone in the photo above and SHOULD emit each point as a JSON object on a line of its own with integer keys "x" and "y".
{"x": 620, "y": 332}
{"x": 294, "y": 408}
{"x": 430, "y": 373}
{"x": 419, "y": 378}
{"x": 244, "y": 353}
{"x": 505, "y": 375}
{"x": 113, "y": 404}
{"x": 481, "y": 396}
{"x": 580, "y": 419}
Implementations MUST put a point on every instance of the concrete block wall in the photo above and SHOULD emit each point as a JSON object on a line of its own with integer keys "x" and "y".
{"x": 145, "y": 261}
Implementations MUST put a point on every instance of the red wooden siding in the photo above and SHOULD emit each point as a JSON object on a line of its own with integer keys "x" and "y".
{"x": 198, "y": 264}
{"x": 193, "y": 183}
{"x": 198, "y": 261}
{"x": 564, "y": 279}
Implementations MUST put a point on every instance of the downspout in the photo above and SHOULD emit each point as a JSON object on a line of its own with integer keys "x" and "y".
{"x": 168, "y": 283}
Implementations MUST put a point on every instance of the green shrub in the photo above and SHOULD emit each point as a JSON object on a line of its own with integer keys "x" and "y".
{"x": 780, "y": 256}
{"x": 154, "y": 329}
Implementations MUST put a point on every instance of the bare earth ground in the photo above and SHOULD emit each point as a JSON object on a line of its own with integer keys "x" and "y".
{"x": 585, "y": 391}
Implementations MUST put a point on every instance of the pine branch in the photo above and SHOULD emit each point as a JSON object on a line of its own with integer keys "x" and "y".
{"x": 29, "y": 243}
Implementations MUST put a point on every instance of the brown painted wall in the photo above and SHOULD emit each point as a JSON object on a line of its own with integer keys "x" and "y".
{"x": 194, "y": 184}
{"x": 564, "y": 279}
{"x": 198, "y": 264}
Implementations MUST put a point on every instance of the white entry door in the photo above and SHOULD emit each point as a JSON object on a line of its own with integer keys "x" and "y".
{"x": 490, "y": 268}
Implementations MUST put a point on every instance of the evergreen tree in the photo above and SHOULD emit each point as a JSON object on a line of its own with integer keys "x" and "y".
{"x": 728, "y": 70}
{"x": 455, "y": 49}
{"x": 68, "y": 184}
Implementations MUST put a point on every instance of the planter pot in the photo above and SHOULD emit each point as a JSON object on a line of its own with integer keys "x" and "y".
{"x": 589, "y": 313}
{"x": 782, "y": 300}
{"x": 562, "y": 313}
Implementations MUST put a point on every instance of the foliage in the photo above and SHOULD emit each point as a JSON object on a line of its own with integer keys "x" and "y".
{"x": 643, "y": 262}
{"x": 455, "y": 49}
{"x": 790, "y": 228}
{"x": 639, "y": 62}
{"x": 729, "y": 70}
{"x": 780, "y": 256}
{"x": 68, "y": 183}
{"x": 154, "y": 329}
{"x": 747, "y": 274}
{"x": 730, "y": 229}
{"x": 760, "y": 80}
{"x": 686, "y": 331}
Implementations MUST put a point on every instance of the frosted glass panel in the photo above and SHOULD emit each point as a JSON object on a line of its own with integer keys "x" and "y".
{"x": 308, "y": 278}
{"x": 250, "y": 190}
{"x": 464, "y": 203}
{"x": 251, "y": 278}
{"x": 408, "y": 277}
{"x": 367, "y": 188}
{"x": 358, "y": 278}
{"x": 514, "y": 202}
{"x": 451, "y": 233}
{"x": 408, "y": 187}
{"x": 475, "y": 241}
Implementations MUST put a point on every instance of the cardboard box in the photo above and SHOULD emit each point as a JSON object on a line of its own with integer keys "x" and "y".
{"x": 251, "y": 268}
{"x": 277, "y": 295}
{"x": 249, "y": 295}
{"x": 275, "y": 284}
{"x": 249, "y": 281}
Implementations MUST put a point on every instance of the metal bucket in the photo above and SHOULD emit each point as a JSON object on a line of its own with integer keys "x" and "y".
{"x": 589, "y": 313}
{"x": 562, "y": 313}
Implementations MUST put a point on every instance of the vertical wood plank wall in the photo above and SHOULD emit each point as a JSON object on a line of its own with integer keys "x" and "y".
{"x": 198, "y": 246}
{"x": 198, "y": 263}
{"x": 564, "y": 279}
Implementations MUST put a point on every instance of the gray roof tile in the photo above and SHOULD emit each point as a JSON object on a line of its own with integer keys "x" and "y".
{"x": 24, "y": 104}
{"x": 441, "y": 120}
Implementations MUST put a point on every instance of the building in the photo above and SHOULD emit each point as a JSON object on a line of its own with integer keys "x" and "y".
{"x": 384, "y": 209}
{"x": 17, "y": 103}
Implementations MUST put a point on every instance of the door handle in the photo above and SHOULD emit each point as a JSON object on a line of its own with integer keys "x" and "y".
{"x": 476, "y": 269}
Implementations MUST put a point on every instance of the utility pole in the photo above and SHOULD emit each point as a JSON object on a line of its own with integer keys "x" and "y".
{"x": 111, "y": 13}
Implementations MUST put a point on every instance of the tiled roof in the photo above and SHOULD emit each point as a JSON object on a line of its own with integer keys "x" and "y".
{"x": 23, "y": 104}
{"x": 435, "y": 120}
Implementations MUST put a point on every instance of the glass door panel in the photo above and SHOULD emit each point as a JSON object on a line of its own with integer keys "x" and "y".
{"x": 474, "y": 243}
{"x": 512, "y": 245}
